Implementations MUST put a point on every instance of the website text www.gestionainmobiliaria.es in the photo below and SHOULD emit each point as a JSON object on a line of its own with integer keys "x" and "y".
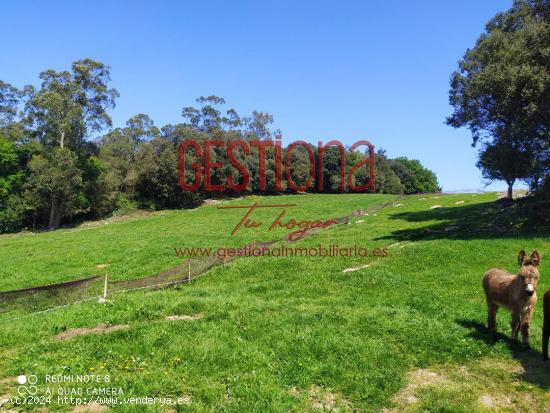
{"x": 332, "y": 250}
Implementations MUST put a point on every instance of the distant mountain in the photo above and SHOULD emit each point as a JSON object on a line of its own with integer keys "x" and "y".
{"x": 466, "y": 191}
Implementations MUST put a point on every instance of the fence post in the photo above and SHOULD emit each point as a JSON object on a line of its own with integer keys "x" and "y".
{"x": 189, "y": 272}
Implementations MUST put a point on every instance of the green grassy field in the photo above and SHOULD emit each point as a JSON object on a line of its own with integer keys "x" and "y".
{"x": 405, "y": 333}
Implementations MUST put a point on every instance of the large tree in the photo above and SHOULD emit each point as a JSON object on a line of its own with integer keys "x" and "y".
{"x": 502, "y": 161}
{"x": 71, "y": 105}
{"x": 64, "y": 113}
{"x": 501, "y": 90}
{"x": 54, "y": 184}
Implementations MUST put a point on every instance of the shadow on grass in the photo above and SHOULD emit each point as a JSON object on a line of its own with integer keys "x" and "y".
{"x": 535, "y": 371}
{"x": 501, "y": 219}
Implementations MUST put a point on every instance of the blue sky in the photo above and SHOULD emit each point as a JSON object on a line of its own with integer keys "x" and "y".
{"x": 345, "y": 70}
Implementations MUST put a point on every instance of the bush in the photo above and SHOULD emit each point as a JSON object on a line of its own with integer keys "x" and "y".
{"x": 124, "y": 205}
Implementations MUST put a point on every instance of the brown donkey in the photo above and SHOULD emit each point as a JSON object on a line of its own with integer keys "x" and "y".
{"x": 517, "y": 293}
{"x": 546, "y": 324}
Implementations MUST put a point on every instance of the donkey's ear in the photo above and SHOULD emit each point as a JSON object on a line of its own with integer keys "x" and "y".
{"x": 521, "y": 257}
{"x": 535, "y": 258}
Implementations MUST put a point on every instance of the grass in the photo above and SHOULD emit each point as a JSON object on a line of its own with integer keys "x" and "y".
{"x": 292, "y": 334}
{"x": 144, "y": 244}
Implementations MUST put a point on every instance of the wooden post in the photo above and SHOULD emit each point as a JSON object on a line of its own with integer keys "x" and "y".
{"x": 189, "y": 272}
{"x": 105, "y": 286}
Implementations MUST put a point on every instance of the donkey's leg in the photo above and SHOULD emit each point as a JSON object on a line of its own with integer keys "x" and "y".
{"x": 526, "y": 314}
{"x": 515, "y": 324}
{"x": 492, "y": 317}
{"x": 525, "y": 323}
{"x": 525, "y": 333}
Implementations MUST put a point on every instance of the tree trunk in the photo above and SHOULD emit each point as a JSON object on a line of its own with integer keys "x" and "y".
{"x": 55, "y": 215}
{"x": 536, "y": 183}
{"x": 510, "y": 190}
{"x": 53, "y": 207}
{"x": 57, "y": 221}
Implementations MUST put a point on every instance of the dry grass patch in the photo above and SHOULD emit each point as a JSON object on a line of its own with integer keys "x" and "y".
{"x": 83, "y": 331}
{"x": 4, "y": 399}
{"x": 323, "y": 399}
{"x": 320, "y": 398}
{"x": 6, "y": 385}
{"x": 416, "y": 380}
{"x": 184, "y": 317}
{"x": 487, "y": 384}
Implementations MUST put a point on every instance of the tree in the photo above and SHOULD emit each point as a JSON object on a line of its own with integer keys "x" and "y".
{"x": 54, "y": 185}
{"x": 9, "y": 101}
{"x": 62, "y": 115}
{"x": 501, "y": 90}
{"x": 386, "y": 181}
{"x": 208, "y": 118}
{"x": 501, "y": 161}
{"x": 141, "y": 128}
{"x": 69, "y": 106}
{"x": 415, "y": 177}
{"x": 157, "y": 171}
{"x": 257, "y": 124}
{"x": 11, "y": 180}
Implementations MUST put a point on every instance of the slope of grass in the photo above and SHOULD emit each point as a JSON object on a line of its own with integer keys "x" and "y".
{"x": 295, "y": 333}
{"x": 144, "y": 244}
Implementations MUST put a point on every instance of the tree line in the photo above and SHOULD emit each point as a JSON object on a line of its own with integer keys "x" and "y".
{"x": 62, "y": 161}
{"x": 501, "y": 92}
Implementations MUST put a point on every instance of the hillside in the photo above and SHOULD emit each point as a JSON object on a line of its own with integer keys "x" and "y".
{"x": 403, "y": 331}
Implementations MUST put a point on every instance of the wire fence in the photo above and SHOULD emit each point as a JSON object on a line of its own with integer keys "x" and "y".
{"x": 28, "y": 301}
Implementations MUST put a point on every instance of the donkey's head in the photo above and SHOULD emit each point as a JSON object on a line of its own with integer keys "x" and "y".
{"x": 528, "y": 272}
